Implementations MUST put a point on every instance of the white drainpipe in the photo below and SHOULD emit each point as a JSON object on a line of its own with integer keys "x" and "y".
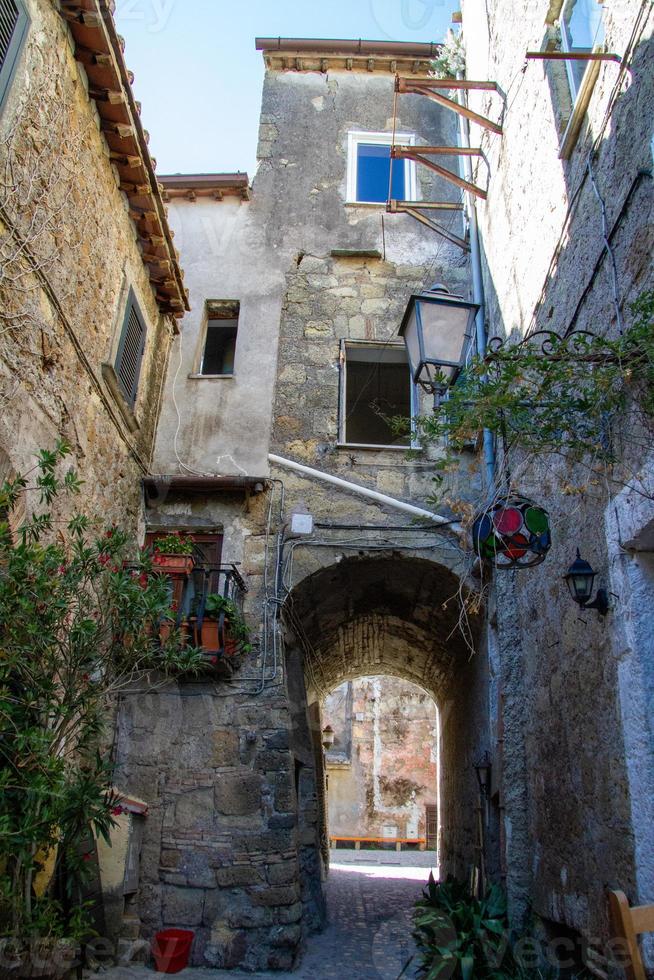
{"x": 379, "y": 498}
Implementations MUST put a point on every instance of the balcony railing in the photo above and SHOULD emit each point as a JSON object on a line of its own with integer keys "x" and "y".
{"x": 188, "y": 597}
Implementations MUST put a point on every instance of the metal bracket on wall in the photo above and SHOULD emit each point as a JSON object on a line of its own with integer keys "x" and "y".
{"x": 411, "y": 208}
{"x": 417, "y": 153}
{"x": 428, "y": 86}
{"x": 431, "y": 88}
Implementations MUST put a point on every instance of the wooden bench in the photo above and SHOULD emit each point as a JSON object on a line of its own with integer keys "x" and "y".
{"x": 398, "y": 841}
{"x": 629, "y": 922}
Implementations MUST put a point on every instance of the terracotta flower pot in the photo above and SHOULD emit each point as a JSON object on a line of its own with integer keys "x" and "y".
{"x": 210, "y": 638}
{"x": 175, "y": 564}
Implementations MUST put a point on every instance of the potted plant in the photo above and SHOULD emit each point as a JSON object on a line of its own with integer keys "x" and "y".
{"x": 173, "y": 553}
{"x": 235, "y": 636}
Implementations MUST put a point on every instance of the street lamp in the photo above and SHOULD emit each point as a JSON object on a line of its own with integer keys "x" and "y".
{"x": 437, "y": 328}
{"x": 580, "y": 578}
{"x": 327, "y": 737}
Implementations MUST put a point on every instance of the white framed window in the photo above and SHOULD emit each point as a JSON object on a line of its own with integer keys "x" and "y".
{"x": 371, "y": 172}
{"x": 375, "y": 387}
{"x": 582, "y": 30}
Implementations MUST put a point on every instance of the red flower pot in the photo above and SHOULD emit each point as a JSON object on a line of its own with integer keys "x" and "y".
{"x": 171, "y": 949}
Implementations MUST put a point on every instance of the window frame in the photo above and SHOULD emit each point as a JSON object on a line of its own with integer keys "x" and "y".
{"x": 356, "y": 137}
{"x": 414, "y": 397}
{"x": 576, "y": 86}
{"x": 216, "y": 309}
{"x": 132, "y": 304}
{"x": 9, "y": 65}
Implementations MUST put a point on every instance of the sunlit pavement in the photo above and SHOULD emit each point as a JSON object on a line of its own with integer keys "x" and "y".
{"x": 368, "y": 936}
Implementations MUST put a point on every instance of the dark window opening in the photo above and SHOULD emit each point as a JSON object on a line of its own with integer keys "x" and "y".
{"x": 373, "y": 174}
{"x": 377, "y": 390}
{"x": 219, "y": 349}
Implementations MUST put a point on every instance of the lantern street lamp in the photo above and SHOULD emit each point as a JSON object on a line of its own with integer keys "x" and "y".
{"x": 327, "y": 737}
{"x": 580, "y": 578}
{"x": 483, "y": 769}
{"x": 437, "y": 328}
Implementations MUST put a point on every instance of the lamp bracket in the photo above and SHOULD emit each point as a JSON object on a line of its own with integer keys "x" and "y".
{"x": 600, "y": 602}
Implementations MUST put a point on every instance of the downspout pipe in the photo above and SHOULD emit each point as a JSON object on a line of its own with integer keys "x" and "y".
{"x": 478, "y": 295}
{"x": 374, "y": 495}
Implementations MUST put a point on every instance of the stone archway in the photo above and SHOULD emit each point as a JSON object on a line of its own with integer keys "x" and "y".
{"x": 384, "y": 613}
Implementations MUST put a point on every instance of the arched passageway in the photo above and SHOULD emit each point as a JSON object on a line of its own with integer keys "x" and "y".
{"x": 385, "y": 614}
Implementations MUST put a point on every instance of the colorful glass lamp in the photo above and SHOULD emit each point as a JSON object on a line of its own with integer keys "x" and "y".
{"x": 513, "y": 532}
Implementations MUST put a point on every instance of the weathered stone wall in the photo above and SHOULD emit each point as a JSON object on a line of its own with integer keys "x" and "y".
{"x": 64, "y": 303}
{"x": 578, "y": 750}
{"x": 383, "y": 766}
{"x": 260, "y": 887}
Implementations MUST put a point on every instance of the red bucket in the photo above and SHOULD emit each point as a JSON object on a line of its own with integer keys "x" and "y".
{"x": 171, "y": 949}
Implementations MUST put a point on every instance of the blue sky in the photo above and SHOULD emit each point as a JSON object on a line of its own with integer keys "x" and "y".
{"x": 199, "y": 77}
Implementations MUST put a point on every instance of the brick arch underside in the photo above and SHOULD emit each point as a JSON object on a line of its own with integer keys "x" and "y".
{"x": 391, "y": 615}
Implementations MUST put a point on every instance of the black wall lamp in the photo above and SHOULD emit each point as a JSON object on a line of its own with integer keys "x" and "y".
{"x": 483, "y": 768}
{"x": 580, "y": 578}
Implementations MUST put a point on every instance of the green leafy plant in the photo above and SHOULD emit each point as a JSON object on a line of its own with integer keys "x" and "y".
{"x": 461, "y": 936}
{"x": 174, "y": 544}
{"x": 79, "y": 617}
{"x": 556, "y": 396}
{"x": 215, "y": 605}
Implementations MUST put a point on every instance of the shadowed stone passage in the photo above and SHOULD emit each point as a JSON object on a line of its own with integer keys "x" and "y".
{"x": 383, "y": 614}
{"x": 368, "y": 936}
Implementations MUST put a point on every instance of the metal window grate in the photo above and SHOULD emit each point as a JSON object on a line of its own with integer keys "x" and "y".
{"x": 130, "y": 351}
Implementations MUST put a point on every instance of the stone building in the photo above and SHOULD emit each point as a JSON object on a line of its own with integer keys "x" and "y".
{"x": 269, "y": 441}
{"x": 382, "y": 769}
{"x": 274, "y": 443}
{"x": 90, "y": 283}
{"x": 297, "y": 290}
{"x": 567, "y": 239}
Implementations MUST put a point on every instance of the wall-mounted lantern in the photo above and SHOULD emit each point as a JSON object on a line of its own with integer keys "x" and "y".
{"x": 327, "y": 737}
{"x": 580, "y": 578}
{"x": 483, "y": 769}
{"x": 437, "y": 328}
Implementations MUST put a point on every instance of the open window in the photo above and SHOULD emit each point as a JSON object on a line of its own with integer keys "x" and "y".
{"x": 375, "y": 387}
{"x": 582, "y": 30}
{"x": 372, "y": 177}
{"x": 219, "y": 348}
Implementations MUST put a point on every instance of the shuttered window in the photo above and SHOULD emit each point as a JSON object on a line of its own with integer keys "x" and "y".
{"x": 13, "y": 28}
{"x": 130, "y": 350}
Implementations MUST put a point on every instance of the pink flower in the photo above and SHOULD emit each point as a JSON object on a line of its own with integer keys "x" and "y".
{"x": 62, "y": 569}
{"x": 117, "y": 810}
{"x": 87, "y": 857}
{"x": 104, "y": 558}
